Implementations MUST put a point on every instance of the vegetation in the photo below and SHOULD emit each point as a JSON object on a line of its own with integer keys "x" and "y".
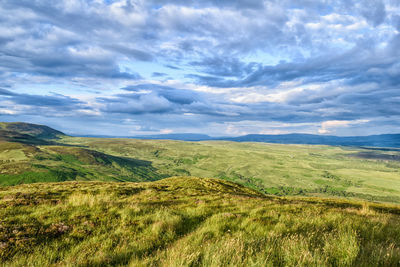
{"x": 369, "y": 174}
{"x": 186, "y": 221}
{"x": 189, "y": 221}
{"x": 33, "y": 130}
{"x": 22, "y": 163}
{"x": 278, "y": 169}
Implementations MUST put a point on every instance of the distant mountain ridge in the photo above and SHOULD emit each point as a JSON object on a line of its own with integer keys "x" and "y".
{"x": 383, "y": 140}
{"x": 178, "y": 136}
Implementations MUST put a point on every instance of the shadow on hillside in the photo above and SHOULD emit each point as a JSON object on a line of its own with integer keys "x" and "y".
{"x": 376, "y": 156}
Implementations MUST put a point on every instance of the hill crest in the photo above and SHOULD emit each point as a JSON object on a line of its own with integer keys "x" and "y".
{"x": 34, "y": 130}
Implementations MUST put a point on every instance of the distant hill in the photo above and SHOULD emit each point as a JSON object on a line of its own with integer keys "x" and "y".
{"x": 20, "y": 131}
{"x": 34, "y": 130}
{"x": 383, "y": 140}
{"x": 177, "y": 136}
{"x": 27, "y": 163}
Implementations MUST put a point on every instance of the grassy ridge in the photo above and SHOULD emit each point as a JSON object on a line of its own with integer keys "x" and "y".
{"x": 271, "y": 168}
{"x": 33, "y": 130}
{"x": 189, "y": 222}
{"x": 23, "y": 163}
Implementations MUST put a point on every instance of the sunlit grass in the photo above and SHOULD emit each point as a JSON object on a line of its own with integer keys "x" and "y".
{"x": 189, "y": 222}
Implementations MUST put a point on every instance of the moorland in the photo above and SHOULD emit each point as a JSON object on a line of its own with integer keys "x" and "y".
{"x": 79, "y": 201}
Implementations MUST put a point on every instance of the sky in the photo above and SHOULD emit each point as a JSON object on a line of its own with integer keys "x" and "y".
{"x": 217, "y": 67}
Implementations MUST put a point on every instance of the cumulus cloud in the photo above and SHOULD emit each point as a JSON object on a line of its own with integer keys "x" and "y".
{"x": 328, "y": 65}
{"x": 326, "y": 126}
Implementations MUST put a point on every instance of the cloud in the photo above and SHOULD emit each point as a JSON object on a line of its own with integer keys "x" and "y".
{"x": 326, "y": 126}
{"x": 54, "y": 104}
{"x": 147, "y": 103}
{"x": 373, "y": 10}
{"x": 311, "y": 62}
{"x": 166, "y": 131}
{"x": 178, "y": 96}
{"x": 158, "y": 74}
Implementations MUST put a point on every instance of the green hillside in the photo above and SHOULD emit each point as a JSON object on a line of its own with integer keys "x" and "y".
{"x": 22, "y": 163}
{"x": 34, "y": 130}
{"x": 186, "y": 221}
{"x": 318, "y": 217}
{"x": 307, "y": 170}
{"x": 302, "y": 170}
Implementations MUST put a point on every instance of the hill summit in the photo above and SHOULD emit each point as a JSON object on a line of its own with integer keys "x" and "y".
{"x": 34, "y": 130}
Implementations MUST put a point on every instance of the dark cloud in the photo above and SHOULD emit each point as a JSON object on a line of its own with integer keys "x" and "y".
{"x": 374, "y": 11}
{"x": 5, "y": 92}
{"x": 151, "y": 98}
{"x": 178, "y": 96}
{"x": 131, "y": 52}
{"x": 56, "y": 102}
{"x": 141, "y": 104}
{"x": 158, "y": 74}
{"x": 225, "y": 67}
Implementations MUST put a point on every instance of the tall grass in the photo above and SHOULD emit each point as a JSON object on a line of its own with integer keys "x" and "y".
{"x": 189, "y": 222}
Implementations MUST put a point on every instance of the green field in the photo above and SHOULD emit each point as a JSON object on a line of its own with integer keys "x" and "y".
{"x": 306, "y": 170}
{"x": 70, "y": 201}
{"x": 189, "y": 222}
{"x": 270, "y": 168}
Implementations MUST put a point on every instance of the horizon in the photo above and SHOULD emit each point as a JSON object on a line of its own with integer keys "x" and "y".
{"x": 219, "y": 68}
{"x": 193, "y": 133}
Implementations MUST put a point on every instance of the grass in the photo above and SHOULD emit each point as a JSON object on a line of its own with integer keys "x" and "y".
{"x": 188, "y": 221}
{"x": 307, "y": 170}
{"x": 277, "y": 169}
{"x": 23, "y": 163}
{"x": 32, "y": 130}
{"x": 60, "y": 204}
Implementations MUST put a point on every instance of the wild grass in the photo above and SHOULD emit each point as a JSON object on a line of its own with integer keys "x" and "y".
{"x": 302, "y": 170}
{"x": 187, "y": 221}
{"x": 22, "y": 163}
{"x": 270, "y": 168}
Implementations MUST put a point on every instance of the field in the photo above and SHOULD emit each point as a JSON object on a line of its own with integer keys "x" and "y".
{"x": 71, "y": 201}
{"x": 270, "y": 168}
{"x": 304, "y": 170}
{"x": 22, "y": 163}
{"x": 186, "y": 221}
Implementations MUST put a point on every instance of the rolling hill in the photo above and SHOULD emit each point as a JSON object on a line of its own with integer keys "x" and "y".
{"x": 20, "y": 163}
{"x": 74, "y": 201}
{"x": 278, "y": 169}
{"x": 34, "y": 130}
{"x": 187, "y": 221}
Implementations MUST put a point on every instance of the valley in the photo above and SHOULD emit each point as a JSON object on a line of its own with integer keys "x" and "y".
{"x": 80, "y": 201}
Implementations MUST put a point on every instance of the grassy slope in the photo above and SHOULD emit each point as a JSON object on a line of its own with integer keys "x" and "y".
{"x": 272, "y": 168}
{"x": 189, "y": 222}
{"x": 23, "y": 163}
{"x": 34, "y": 130}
